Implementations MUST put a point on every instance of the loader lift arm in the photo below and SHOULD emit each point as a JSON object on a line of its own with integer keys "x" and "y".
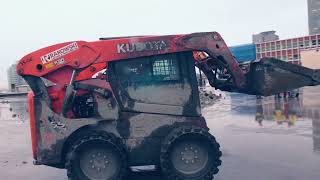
{"x": 134, "y": 101}
{"x": 67, "y": 63}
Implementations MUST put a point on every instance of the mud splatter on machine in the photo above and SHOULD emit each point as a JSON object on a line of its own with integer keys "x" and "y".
{"x": 97, "y": 108}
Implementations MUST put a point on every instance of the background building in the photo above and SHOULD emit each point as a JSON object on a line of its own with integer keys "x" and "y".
{"x": 296, "y": 50}
{"x": 314, "y": 16}
{"x": 265, "y": 37}
{"x": 310, "y": 58}
{"x": 288, "y": 49}
{"x": 301, "y": 50}
{"x": 248, "y": 52}
{"x": 14, "y": 81}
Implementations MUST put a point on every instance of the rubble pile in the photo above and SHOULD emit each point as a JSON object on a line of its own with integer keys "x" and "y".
{"x": 208, "y": 97}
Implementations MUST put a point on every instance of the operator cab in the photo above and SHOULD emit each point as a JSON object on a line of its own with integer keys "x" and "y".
{"x": 162, "y": 84}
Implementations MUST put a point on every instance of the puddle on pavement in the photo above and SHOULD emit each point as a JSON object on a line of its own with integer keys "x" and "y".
{"x": 270, "y": 115}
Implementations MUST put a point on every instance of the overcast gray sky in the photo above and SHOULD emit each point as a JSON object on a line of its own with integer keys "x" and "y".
{"x": 32, "y": 24}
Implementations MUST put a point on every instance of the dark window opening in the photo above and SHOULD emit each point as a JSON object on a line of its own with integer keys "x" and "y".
{"x": 314, "y": 42}
{"x": 146, "y": 69}
{"x": 307, "y": 43}
{"x": 301, "y": 44}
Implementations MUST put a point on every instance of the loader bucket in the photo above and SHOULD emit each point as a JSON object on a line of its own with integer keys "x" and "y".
{"x": 272, "y": 76}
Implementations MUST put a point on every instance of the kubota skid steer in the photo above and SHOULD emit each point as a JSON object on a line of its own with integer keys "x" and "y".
{"x": 97, "y": 108}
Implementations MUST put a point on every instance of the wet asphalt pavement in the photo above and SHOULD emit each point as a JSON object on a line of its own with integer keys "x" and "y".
{"x": 261, "y": 139}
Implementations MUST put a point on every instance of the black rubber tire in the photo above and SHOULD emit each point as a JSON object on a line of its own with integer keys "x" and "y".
{"x": 72, "y": 165}
{"x": 196, "y": 134}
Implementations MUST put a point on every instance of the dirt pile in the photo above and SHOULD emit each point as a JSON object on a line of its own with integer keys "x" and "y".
{"x": 208, "y": 97}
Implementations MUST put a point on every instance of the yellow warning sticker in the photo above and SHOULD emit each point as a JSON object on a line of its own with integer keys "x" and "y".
{"x": 49, "y": 65}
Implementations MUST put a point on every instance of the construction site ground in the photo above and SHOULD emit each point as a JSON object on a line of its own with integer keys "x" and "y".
{"x": 261, "y": 139}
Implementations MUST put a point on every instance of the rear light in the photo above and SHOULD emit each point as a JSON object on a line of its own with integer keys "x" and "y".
{"x": 32, "y": 124}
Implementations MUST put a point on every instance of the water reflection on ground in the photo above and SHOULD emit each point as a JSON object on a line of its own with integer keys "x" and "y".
{"x": 286, "y": 112}
{"x": 14, "y": 109}
{"x": 268, "y": 138}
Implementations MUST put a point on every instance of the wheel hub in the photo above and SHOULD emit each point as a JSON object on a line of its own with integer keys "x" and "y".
{"x": 189, "y": 157}
{"x": 99, "y": 164}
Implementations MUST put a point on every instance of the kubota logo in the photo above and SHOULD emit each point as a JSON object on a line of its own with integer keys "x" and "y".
{"x": 142, "y": 46}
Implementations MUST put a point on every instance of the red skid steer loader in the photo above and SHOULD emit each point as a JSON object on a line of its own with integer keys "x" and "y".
{"x": 97, "y": 108}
